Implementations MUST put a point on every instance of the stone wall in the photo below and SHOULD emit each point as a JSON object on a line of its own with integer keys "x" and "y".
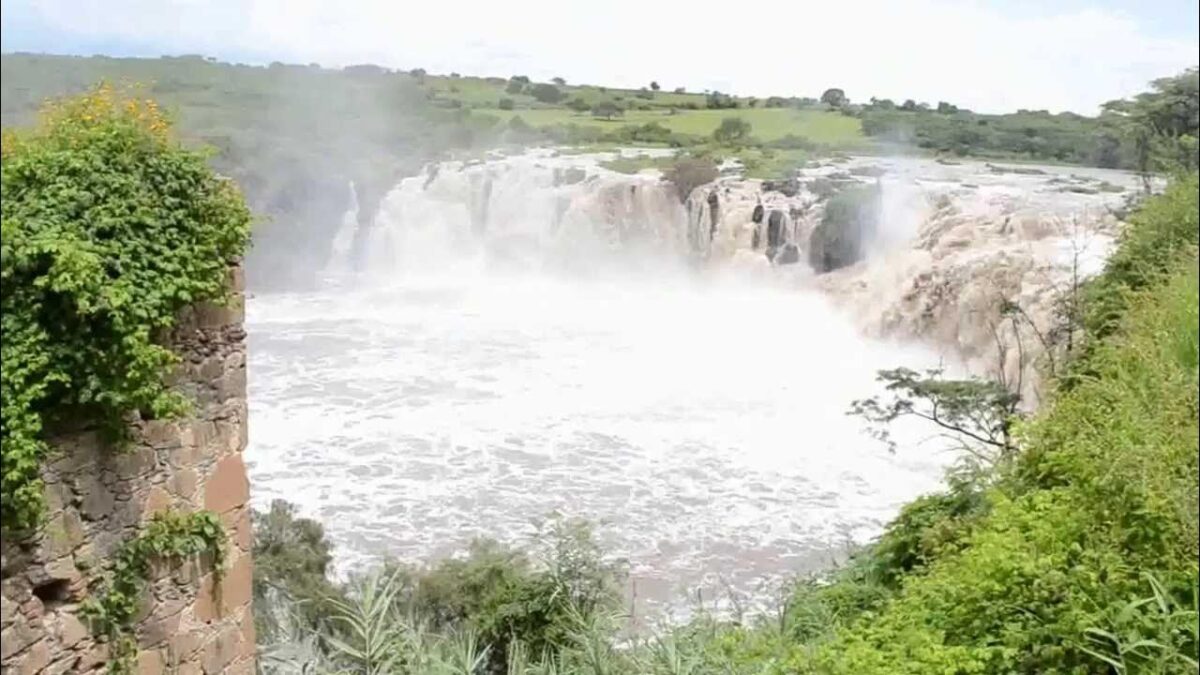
{"x": 98, "y": 498}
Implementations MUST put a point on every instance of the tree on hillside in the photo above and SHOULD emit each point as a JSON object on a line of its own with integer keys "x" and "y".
{"x": 945, "y": 108}
{"x": 578, "y": 105}
{"x": 607, "y": 110}
{"x": 715, "y": 100}
{"x": 505, "y": 104}
{"x": 732, "y": 130}
{"x": 559, "y": 81}
{"x": 514, "y": 87}
{"x": 835, "y": 98}
{"x": 689, "y": 173}
{"x": 977, "y": 414}
{"x": 680, "y": 90}
{"x": 546, "y": 93}
{"x": 1162, "y": 125}
{"x": 654, "y": 86}
{"x": 909, "y": 105}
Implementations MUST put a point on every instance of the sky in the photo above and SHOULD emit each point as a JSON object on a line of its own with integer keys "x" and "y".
{"x": 987, "y": 55}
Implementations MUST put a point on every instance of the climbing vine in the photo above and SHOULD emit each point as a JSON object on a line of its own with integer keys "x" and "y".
{"x": 169, "y": 537}
{"x": 110, "y": 228}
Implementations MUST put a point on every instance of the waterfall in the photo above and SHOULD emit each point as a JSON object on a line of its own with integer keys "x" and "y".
{"x": 530, "y": 211}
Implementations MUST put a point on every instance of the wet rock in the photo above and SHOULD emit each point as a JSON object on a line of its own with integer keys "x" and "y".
{"x": 757, "y": 216}
{"x": 788, "y": 187}
{"x": 850, "y": 220}
{"x": 775, "y": 225}
{"x": 788, "y": 255}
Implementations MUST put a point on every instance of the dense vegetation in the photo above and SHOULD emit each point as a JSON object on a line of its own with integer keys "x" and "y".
{"x": 110, "y": 227}
{"x": 1165, "y": 113}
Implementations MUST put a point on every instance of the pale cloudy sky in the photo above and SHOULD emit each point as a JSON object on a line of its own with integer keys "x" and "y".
{"x": 985, "y": 55}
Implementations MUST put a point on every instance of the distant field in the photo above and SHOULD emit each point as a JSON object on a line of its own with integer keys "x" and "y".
{"x": 767, "y": 124}
{"x": 681, "y": 113}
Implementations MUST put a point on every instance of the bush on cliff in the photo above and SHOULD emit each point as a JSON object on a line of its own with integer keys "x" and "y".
{"x": 110, "y": 228}
{"x": 850, "y": 220}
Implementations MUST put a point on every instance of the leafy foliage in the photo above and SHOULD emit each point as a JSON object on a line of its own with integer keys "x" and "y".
{"x": 169, "y": 537}
{"x": 109, "y": 229}
{"x": 977, "y": 414}
{"x": 291, "y": 566}
{"x": 689, "y": 173}
{"x": 732, "y": 130}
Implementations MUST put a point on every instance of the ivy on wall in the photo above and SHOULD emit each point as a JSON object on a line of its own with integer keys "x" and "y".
{"x": 169, "y": 537}
{"x": 110, "y": 228}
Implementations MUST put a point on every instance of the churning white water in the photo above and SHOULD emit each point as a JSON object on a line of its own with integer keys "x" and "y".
{"x": 700, "y": 418}
{"x": 706, "y": 424}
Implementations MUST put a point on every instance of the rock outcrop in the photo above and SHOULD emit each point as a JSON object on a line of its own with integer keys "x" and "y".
{"x": 98, "y": 497}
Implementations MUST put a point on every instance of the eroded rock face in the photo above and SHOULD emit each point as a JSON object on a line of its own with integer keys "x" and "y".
{"x": 97, "y": 499}
{"x": 851, "y": 219}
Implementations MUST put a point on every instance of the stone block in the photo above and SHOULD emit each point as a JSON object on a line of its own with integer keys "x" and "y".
{"x": 185, "y": 644}
{"x": 221, "y": 652}
{"x": 98, "y": 500}
{"x": 150, "y": 662}
{"x": 141, "y": 460}
{"x": 34, "y": 660}
{"x": 242, "y": 532}
{"x": 71, "y": 630}
{"x": 157, "y": 501}
{"x": 93, "y": 658}
{"x": 183, "y": 483}
{"x": 227, "y": 487}
{"x": 158, "y": 629}
{"x": 215, "y": 600}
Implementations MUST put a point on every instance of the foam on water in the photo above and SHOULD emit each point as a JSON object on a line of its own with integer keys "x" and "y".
{"x": 702, "y": 419}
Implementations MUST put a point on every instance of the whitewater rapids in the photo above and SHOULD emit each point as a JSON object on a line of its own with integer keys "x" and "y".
{"x": 698, "y": 418}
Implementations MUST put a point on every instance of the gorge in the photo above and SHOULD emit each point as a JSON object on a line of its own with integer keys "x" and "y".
{"x": 514, "y": 336}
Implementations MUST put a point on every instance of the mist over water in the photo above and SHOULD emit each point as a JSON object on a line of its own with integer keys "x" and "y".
{"x": 699, "y": 418}
{"x": 508, "y": 341}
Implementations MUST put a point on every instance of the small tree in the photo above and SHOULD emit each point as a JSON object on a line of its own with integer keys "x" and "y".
{"x": 680, "y": 90}
{"x": 834, "y": 98}
{"x": 945, "y": 108}
{"x": 578, "y": 105}
{"x": 559, "y": 81}
{"x": 654, "y": 86}
{"x": 514, "y": 87}
{"x": 689, "y": 173}
{"x": 546, "y": 93}
{"x": 505, "y": 104}
{"x": 716, "y": 100}
{"x": 732, "y": 130}
{"x": 977, "y": 414}
{"x": 607, "y": 110}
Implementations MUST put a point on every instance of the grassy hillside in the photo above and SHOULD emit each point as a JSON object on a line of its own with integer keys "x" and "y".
{"x": 767, "y": 124}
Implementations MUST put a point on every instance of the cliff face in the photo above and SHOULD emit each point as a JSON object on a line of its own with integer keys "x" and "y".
{"x": 98, "y": 498}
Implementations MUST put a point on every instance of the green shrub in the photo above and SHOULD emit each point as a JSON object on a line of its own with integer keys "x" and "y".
{"x": 110, "y": 228}
{"x": 689, "y": 173}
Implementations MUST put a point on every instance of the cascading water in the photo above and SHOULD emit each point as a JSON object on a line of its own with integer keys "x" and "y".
{"x": 532, "y": 334}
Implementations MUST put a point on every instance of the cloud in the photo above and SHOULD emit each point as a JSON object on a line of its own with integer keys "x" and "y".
{"x": 972, "y": 54}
